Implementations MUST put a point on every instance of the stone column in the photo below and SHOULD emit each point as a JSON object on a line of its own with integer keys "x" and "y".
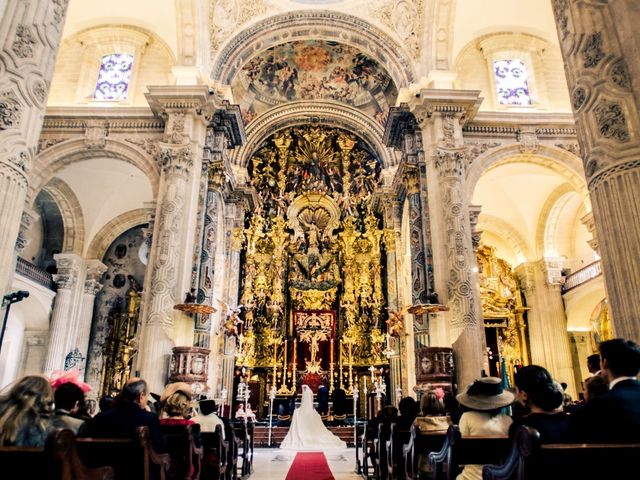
{"x": 441, "y": 115}
{"x": 170, "y": 262}
{"x": 31, "y": 31}
{"x": 546, "y": 319}
{"x": 92, "y": 285}
{"x": 600, "y": 44}
{"x": 68, "y": 277}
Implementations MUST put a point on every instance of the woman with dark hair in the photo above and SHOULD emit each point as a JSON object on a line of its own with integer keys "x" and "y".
{"x": 25, "y": 413}
{"x": 536, "y": 390}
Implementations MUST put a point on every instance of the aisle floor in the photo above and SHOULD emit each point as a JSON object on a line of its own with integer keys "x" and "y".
{"x": 273, "y": 463}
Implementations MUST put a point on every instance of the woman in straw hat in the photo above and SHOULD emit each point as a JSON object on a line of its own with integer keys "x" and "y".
{"x": 483, "y": 401}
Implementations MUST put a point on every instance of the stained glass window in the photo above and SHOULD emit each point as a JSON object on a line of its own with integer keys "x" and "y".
{"x": 114, "y": 77}
{"x": 512, "y": 82}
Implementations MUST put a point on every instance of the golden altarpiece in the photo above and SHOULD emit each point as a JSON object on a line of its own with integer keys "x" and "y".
{"x": 312, "y": 304}
{"x": 504, "y": 314}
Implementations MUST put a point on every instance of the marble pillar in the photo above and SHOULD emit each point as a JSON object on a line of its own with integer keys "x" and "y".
{"x": 31, "y": 35}
{"x": 70, "y": 275}
{"x": 441, "y": 115}
{"x": 546, "y": 320}
{"x": 92, "y": 285}
{"x": 169, "y": 269}
{"x": 600, "y": 44}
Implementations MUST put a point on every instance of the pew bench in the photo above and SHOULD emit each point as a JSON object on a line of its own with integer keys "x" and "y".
{"x": 214, "y": 455}
{"x": 529, "y": 459}
{"x": 458, "y": 451}
{"x": 131, "y": 459}
{"x": 58, "y": 460}
{"x": 398, "y": 439}
{"x": 420, "y": 444}
{"x": 183, "y": 442}
{"x": 365, "y": 450}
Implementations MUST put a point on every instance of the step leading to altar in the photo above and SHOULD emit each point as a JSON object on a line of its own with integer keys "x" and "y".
{"x": 261, "y": 435}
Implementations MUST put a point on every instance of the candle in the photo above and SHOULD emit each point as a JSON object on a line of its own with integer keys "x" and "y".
{"x": 284, "y": 381}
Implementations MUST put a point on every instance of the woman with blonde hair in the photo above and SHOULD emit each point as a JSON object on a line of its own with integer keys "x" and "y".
{"x": 25, "y": 413}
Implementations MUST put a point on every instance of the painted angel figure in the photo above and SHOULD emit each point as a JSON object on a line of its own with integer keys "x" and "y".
{"x": 395, "y": 323}
{"x": 231, "y": 318}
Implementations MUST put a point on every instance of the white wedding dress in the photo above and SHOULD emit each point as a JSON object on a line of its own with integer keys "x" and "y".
{"x": 307, "y": 432}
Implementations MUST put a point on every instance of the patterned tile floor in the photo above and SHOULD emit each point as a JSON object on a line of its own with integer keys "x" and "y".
{"x": 273, "y": 463}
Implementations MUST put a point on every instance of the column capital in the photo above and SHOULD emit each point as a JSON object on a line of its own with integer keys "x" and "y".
{"x": 175, "y": 159}
{"x": 430, "y": 104}
{"x": 68, "y": 265}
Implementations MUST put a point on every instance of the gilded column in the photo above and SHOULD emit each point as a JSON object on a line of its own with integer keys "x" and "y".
{"x": 92, "y": 285}
{"x": 546, "y": 320}
{"x": 599, "y": 43}
{"x": 441, "y": 115}
{"x": 68, "y": 277}
{"x": 31, "y": 31}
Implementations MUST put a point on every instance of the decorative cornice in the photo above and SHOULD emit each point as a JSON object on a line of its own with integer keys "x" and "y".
{"x": 399, "y": 121}
{"x": 464, "y": 103}
{"x": 229, "y": 120}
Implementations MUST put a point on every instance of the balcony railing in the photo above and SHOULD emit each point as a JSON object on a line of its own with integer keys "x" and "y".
{"x": 582, "y": 276}
{"x": 37, "y": 274}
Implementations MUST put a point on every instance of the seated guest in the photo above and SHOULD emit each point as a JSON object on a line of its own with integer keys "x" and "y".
{"x": 105, "y": 403}
{"x": 176, "y": 404}
{"x": 536, "y": 390}
{"x": 408, "y": 408}
{"x": 207, "y": 418}
{"x": 25, "y": 413}
{"x": 594, "y": 387}
{"x": 593, "y": 364}
{"x": 433, "y": 413}
{"x": 69, "y": 399}
{"x": 484, "y": 399}
{"x": 127, "y": 414}
{"x": 614, "y": 416}
{"x": 433, "y": 418}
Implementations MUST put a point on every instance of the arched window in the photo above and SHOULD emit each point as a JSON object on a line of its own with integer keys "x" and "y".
{"x": 512, "y": 82}
{"x": 114, "y": 77}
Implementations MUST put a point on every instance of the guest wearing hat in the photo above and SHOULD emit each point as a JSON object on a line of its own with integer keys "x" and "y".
{"x": 483, "y": 400}
{"x": 207, "y": 418}
{"x": 176, "y": 404}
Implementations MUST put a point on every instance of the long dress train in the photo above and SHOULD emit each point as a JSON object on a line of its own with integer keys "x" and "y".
{"x": 307, "y": 432}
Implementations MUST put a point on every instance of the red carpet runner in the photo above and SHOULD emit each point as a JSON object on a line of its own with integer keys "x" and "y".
{"x": 309, "y": 466}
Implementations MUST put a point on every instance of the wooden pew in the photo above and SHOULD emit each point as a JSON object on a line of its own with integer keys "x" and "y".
{"x": 420, "y": 443}
{"x": 458, "y": 451}
{"x": 380, "y": 451}
{"x": 232, "y": 452}
{"x": 58, "y": 460}
{"x": 183, "y": 442}
{"x": 395, "y": 460}
{"x": 244, "y": 433}
{"x": 214, "y": 455}
{"x": 529, "y": 460}
{"x": 131, "y": 459}
{"x": 365, "y": 451}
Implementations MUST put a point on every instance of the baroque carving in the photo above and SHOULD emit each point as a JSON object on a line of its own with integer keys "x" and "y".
{"x": 148, "y": 145}
{"x": 560, "y": 11}
{"x": 21, "y": 161}
{"x": 176, "y": 161}
{"x": 44, "y": 143}
{"x": 24, "y": 42}
{"x": 95, "y": 134}
{"x": 175, "y": 133}
{"x": 10, "y": 110}
{"x": 528, "y": 140}
{"x": 476, "y": 149}
{"x": 450, "y": 163}
{"x": 578, "y": 97}
{"x": 59, "y": 9}
{"x": 39, "y": 91}
{"x": 620, "y": 74}
{"x": 611, "y": 121}
{"x": 592, "y": 51}
{"x": 570, "y": 147}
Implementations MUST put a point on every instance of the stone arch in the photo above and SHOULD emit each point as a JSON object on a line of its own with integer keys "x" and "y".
{"x": 53, "y": 159}
{"x": 505, "y": 230}
{"x": 545, "y": 240}
{"x": 72, "y": 217}
{"x": 316, "y": 25}
{"x": 324, "y": 112}
{"x": 564, "y": 163}
{"x": 113, "y": 229}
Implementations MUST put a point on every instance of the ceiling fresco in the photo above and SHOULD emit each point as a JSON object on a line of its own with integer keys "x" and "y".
{"x": 314, "y": 70}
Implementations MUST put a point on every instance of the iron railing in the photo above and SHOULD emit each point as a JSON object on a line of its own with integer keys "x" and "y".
{"x": 582, "y": 276}
{"x": 35, "y": 273}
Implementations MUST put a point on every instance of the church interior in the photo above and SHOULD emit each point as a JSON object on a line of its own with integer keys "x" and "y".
{"x": 375, "y": 196}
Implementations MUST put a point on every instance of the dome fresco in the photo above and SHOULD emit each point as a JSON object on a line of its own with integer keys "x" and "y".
{"x": 315, "y": 70}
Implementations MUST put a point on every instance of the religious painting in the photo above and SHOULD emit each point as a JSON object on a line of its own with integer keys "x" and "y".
{"x": 314, "y": 70}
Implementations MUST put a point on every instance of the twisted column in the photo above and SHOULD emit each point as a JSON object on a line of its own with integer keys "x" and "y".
{"x": 600, "y": 45}
{"x": 32, "y": 32}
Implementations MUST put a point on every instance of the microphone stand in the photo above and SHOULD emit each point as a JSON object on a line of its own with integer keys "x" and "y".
{"x": 7, "y": 300}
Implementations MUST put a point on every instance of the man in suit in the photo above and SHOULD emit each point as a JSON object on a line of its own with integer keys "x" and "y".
{"x": 323, "y": 399}
{"x": 128, "y": 413}
{"x": 614, "y": 416}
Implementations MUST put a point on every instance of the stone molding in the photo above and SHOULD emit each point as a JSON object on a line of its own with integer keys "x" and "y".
{"x": 316, "y": 24}
{"x": 72, "y": 216}
{"x": 114, "y": 228}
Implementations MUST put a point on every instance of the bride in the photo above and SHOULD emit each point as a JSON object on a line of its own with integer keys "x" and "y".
{"x": 307, "y": 430}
